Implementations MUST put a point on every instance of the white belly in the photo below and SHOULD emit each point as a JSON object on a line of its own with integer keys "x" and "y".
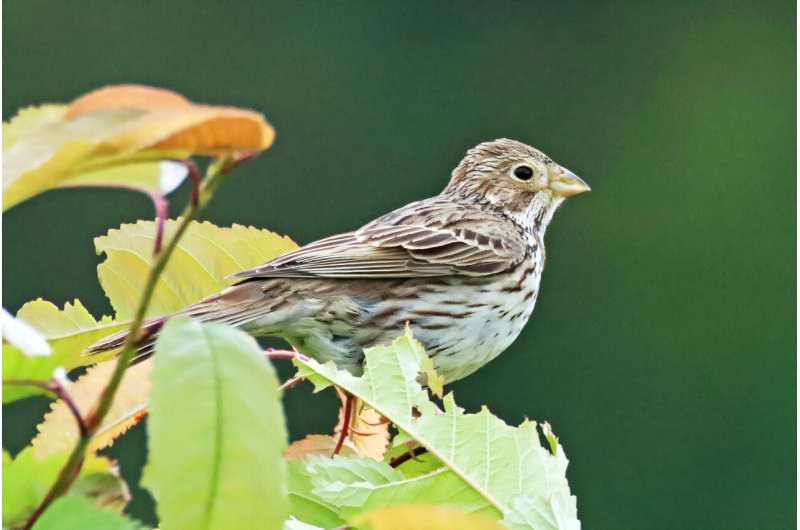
{"x": 495, "y": 320}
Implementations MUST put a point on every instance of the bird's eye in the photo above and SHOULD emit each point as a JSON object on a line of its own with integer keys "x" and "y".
{"x": 523, "y": 172}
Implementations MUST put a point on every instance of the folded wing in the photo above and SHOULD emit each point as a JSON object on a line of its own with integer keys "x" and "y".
{"x": 435, "y": 237}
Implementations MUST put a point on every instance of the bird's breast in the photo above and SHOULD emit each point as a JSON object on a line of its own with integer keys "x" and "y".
{"x": 469, "y": 324}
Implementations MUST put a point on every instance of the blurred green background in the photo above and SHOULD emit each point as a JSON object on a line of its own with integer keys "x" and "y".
{"x": 662, "y": 349}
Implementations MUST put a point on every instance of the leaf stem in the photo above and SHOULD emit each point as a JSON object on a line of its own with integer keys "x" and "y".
{"x": 68, "y": 473}
{"x": 289, "y": 383}
{"x": 61, "y": 392}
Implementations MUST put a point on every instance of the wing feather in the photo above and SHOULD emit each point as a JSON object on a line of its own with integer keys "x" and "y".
{"x": 436, "y": 237}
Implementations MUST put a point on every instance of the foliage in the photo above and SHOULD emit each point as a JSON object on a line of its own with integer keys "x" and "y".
{"x": 218, "y": 452}
{"x": 213, "y": 386}
{"x": 127, "y": 126}
{"x": 58, "y": 432}
{"x": 74, "y": 511}
{"x": 68, "y": 331}
{"x": 202, "y": 260}
{"x": 27, "y": 478}
{"x": 480, "y": 463}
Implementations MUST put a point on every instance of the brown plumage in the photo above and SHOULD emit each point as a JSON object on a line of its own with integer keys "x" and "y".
{"x": 463, "y": 268}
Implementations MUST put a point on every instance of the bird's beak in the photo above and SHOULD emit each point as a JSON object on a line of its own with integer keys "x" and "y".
{"x": 566, "y": 183}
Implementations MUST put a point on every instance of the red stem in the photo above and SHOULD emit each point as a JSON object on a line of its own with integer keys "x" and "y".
{"x": 54, "y": 386}
{"x": 348, "y": 411}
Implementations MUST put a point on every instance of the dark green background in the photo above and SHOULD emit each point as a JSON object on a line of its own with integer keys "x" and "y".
{"x": 663, "y": 346}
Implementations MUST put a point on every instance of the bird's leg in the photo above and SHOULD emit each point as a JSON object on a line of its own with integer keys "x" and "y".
{"x": 348, "y": 402}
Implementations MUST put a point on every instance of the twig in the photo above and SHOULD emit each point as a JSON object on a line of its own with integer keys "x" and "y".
{"x": 285, "y": 354}
{"x": 405, "y": 457}
{"x": 289, "y": 383}
{"x": 54, "y": 386}
{"x": 94, "y": 419}
{"x": 194, "y": 175}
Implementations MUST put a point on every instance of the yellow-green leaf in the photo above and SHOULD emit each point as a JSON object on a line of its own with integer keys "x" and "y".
{"x": 75, "y": 511}
{"x": 204, "y": 257}
{"x": 216, "y": 431}
{"x": 26, "y": 480}
{"x": 68, "y": 331}
{"x": 423, "y": 517}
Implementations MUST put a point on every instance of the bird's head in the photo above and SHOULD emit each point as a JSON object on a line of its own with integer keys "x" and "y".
{"x": 517, "y": 178}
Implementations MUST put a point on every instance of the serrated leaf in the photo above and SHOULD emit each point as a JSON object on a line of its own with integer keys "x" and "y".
{"x": 74, "y": 511}
{"x": 423, "y": 517}
{"x": 27, "y": 479}
{"x": 23, "y": 336}
{"x": 114, "y": 126}
{"x": 358, "y": 485}
{"x": 204, "y": 256}
{"x": 432, "y": 379}
{"x": 479, "y": 454}
{"x": 216, "y": 431}
{"x": 59, "y": 431}
{"x": 68, "y": 331}
{"x": 306, "y": 505}
{"x": 555, "y": 513}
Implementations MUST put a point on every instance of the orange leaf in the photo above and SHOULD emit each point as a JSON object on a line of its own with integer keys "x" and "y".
{"x": 126, "y": 96}
{"x": 46, "y": 147}
{"x": 368, "y": 432}
{"x": 59, "y": 431}
{"x": 317, "y": 444}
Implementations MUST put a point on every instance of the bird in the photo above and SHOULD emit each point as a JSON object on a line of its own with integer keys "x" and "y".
{"x": 462, "y": 269}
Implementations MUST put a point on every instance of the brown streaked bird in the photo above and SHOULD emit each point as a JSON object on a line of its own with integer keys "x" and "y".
{"x": 463, "y": 268}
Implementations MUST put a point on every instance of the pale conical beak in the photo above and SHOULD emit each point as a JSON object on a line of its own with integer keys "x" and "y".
{"x": 566, "y": 183}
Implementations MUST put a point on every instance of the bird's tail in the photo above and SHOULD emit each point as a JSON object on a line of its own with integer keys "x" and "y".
{"x": 236, "y": 305}
{"x": 150, "y": 329}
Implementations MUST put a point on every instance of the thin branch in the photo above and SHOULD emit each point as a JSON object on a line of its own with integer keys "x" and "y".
{"x": 289, "y": 383}
{"x": 285, "y": 354}
{"x": 194, "y": 175}
{"x": 405, "y": 457}
{"x": 94, "y": 419}
{"x": 54, "y": 386}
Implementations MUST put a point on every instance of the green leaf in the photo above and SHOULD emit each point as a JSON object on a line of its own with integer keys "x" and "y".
{"x": 26, "y": 480}
{"x": 21, "y": 335}
{"x": 68, "y": 331}
{"x": 216, "y": 431}
{"x": 73, "y": 511}
{"x": 422, "y": 517}
{"x": 306, "y": 505}
{"x": 356, "y": 485}
{"x": 484, "y": 464}
{"x": 540, "y": 513}
{"x": 206, "y": 254}
{"x": 295, "y": 524}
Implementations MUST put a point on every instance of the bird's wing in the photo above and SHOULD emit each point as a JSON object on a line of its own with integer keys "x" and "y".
{"x": 436, "y": 237}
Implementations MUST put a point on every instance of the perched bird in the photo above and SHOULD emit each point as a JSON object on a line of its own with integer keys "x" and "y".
{"x": 463, "y": 268}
